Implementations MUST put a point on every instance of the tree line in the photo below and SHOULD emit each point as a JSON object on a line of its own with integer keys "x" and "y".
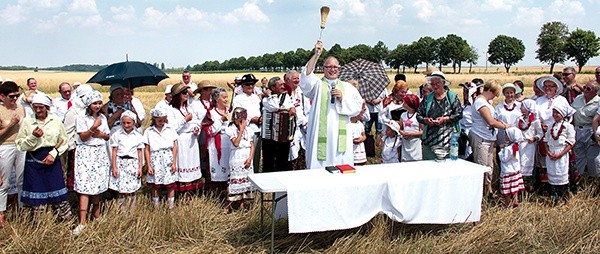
{"x": 556, "y": 44}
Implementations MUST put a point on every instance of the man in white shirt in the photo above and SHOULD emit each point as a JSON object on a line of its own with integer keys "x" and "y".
{"x": 165, "y": 103}
{"x": 186, "y": 79}
{"x": 275, "y": 153}
{"x": 25, "y": 98}
{"x": 334, "y": 103}
{"x": 63, "y": 102}
{"x": 251, "y": 102}
{"x": 298, "y": 146}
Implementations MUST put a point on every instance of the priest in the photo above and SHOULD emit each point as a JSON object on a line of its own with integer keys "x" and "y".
{"x": 334, "y": 102}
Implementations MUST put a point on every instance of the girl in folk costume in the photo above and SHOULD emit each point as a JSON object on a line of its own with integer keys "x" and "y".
{"x": 185, "y": 120}
{"x": 532, "y": 133}
{"x": 357, "y": 130}
{"x": 127, "y": 145}
{"x": 391, "y": 141}
{"x": 240, "y": 160}
{"x": 92, "y": 165}
{"x": 161, "y": 155}
{"x": 511, "y": 181}
{"x": 560, "y": 138}
{"x": 411, "y": 130}
{"x": 218, "y": 144}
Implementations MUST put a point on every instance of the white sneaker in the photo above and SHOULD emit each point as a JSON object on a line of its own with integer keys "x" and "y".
{"x": 78, "y": 229}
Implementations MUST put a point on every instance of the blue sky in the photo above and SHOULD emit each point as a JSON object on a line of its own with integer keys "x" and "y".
{"x": 47, "y": 33}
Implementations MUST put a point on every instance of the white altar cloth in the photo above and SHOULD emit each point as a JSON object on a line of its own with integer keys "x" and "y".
{"x": 423, "y": 192}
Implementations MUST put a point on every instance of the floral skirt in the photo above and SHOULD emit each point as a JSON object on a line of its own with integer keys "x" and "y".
{"x": 92, "y": 170}
{"x": 161, "y": 162}
{"x": 126, "y": 180}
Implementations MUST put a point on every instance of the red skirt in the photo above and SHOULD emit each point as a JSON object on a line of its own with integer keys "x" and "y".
{"x": 511, "y": 183}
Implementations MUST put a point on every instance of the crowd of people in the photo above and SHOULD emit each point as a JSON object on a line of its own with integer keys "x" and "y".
{"x": 205, "y": 137}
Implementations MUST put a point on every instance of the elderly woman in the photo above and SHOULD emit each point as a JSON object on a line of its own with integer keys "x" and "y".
{"x": 585, "y": 148}
{"x": 218, "y": 145}
{"x": 43, "y": 137}
{"x": 116, "y": 105}
{"x": 482, "y": 136}
{"x": 440, "y": 113}
{"x": 186, "y": 121}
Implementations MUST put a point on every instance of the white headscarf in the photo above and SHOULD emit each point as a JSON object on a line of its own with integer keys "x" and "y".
{"x": 515, "y": 135}
{"x": 158, "y": 112}
{"x": 530, "y": 105}
{"x": 564, "y": 109}
{"x": 41, "y": 99}
{"x": 130, "y": 114}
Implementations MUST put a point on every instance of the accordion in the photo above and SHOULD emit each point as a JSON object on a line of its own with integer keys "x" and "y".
{"x": 278, "y": 126}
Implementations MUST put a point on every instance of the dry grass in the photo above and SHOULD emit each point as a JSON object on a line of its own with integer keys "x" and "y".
{"x": 200, "y": 227}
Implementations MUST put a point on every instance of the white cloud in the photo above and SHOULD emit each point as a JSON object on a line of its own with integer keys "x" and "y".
{"x": 13, "y": 14}
{"x": 123, "y": 13}
{"x": 352, "y": 7}
{"x": 83, "y": 6}
{"x": 52, "y": 24}
{"x": 424, "y": 9}
{"x": 157, "y": 19}
{"x": 47, "y": 4}
{"x": 498, "y": 5}
{"x": 566, "y": 9}
{"x": 529, "y": 16}
{"x": 251, "y": 12}
{"x": 84, "y": 21}
{"x": 395, "y": 10}
{"x": 471, "y": 21}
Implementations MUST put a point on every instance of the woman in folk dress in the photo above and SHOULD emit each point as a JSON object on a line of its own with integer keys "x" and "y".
{"x": 218, "y": 143}
{"x": 92, "y": 165}
{"x": 186, "y": 121}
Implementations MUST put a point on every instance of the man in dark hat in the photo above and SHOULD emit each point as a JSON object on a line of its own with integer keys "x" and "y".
{"x": 250, "y": 101}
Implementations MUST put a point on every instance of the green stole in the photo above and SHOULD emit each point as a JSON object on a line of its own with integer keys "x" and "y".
{"x": 323, "y": 108}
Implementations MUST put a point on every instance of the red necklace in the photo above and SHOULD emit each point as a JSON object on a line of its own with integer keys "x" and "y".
{"x": 560, "y": 130}
{"x": 530, "y": 119}
{"x": 510, "y": 109}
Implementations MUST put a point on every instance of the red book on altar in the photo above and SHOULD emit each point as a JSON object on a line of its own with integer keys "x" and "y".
{"x": 346, "y": 169}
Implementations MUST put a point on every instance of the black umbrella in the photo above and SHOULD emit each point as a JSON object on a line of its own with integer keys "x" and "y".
{"x": 129, "y": 74}
{"x": 371, "y": 76}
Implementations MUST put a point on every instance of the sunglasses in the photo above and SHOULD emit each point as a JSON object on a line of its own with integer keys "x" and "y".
{"x": 13, "y": 96}
{"x": 331, "y": 67}
{"x": 598, "y": 73}
{"x": 247, "y": 84}
{"x": 566, "y": 74}
{"x": 587, "y": 88}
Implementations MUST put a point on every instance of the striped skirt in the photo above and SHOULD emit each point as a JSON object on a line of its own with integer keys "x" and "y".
{"x": 511, "y": 183}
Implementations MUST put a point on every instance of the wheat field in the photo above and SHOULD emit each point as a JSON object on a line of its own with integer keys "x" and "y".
{"x": 198, "y": 225}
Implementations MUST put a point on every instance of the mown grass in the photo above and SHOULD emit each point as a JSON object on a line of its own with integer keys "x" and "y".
{"x": 198, "y": 225}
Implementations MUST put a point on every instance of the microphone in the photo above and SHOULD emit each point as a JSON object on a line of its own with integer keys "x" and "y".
{"x": 332, "y": 97}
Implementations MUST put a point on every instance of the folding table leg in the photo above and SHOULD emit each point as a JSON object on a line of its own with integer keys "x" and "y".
{"x": 273, "y": 222}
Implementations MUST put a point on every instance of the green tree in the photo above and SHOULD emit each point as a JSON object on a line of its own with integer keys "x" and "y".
{"x": 581, "y": 46}
{"x": 302, "y": 56}
{"x": 472, "y": 57}
{"x": 359, "y": 51}
{"x": 162, "y": 66}
{"x": 506, "y": 50}
{"x": 394, "y": 58}
{"x": 551, "y": 43}
{"x": 442, "y": 57}
{"x": 426, "y": 48}
{"x": 454, "y": 50}
{"x": 380, "y": 51}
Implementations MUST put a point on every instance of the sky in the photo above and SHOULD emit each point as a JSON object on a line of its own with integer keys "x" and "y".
{"x": 50, "y": 33}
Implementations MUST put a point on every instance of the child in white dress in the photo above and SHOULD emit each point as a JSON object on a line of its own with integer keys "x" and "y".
{"x": 92, "y": 167}
{"x": 357, "y": 129}
{"x": 532, "y": 131}
{"x": 390, "y": 142}
{"x": 511, "y": 180}
{"x": 411, "y": 130}
{"x": 240, "y": 160}
{"x": 560, "y": 138}
{"x": 127, "y": 146}
{"x": 161, "y": 155}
